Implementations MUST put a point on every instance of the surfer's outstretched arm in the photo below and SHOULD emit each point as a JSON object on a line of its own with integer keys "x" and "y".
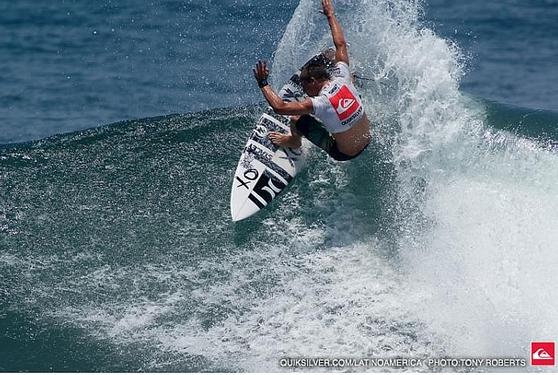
{"x": 279, "y": 106}
{"x": 341, "y": 52}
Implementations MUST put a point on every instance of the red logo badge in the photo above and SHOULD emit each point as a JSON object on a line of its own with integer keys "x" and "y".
{"x": 344, "y": 102}
{"x": 542, "y": 354}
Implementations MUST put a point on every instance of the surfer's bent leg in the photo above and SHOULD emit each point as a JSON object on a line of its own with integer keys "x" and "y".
{"x": 315, "y": 133}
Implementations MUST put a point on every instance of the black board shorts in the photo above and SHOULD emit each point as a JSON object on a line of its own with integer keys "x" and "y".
{"x": 315, "y": 132}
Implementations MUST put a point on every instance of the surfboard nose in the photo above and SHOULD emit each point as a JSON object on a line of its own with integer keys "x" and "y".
{"x": 244, "y": 212}
{"x": 234, "y": 216}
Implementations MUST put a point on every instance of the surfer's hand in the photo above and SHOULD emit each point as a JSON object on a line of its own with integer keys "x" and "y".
{"x": 261, "y": 72}
{"x": 279, "y": 139}
{"x": 327, "y": 8}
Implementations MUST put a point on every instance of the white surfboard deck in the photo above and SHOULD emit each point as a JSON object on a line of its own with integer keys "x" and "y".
{"x": 264, "y": 169}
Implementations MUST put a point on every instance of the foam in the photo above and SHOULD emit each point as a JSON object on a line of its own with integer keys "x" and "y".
{"x": 478, "y": 210}
{"x": 343, "y": 301}
{"x": 487, "y": 255}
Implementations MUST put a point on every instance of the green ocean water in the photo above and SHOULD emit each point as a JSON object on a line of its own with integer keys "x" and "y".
{"x": 117, "y": 244}
{"x": 137, "y": 213}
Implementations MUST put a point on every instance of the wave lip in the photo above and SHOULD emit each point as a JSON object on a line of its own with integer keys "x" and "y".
{"x": 474, "y": 198}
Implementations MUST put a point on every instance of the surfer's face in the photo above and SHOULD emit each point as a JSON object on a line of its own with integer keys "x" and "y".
{"x": 311, "y": 86}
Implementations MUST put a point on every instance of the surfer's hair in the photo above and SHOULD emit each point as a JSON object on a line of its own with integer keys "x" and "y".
{"x": 316, "y": 70}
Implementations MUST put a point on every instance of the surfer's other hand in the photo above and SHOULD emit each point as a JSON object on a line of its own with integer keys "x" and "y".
{"x": 279, "y": 139}
{"x": 261, "y": 72}
{"x": 327, "y": 7}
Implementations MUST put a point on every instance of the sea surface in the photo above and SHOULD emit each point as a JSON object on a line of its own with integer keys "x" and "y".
{"x": 121, "y": 123}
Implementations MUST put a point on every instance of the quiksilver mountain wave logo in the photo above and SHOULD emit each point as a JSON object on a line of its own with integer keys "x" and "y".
{"x": 345, "y": 103}
{"x": 542, "y": 354}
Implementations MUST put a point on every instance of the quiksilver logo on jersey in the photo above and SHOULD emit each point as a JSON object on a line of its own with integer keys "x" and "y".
{"x": 345, "y": 103}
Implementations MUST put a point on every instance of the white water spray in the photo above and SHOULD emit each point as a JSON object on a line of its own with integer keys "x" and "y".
{"x": 479, "y": 210}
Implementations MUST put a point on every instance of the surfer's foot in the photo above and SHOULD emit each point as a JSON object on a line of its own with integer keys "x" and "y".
{"x": 284, "y": 140}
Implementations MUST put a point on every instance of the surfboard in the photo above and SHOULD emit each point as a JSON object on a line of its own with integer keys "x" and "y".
{"x": 264, "y": 169}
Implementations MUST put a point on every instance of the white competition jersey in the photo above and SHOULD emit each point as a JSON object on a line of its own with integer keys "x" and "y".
{"x": 338, "y": 105}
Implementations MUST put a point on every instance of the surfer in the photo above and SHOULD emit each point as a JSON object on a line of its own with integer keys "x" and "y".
{"x": 332, "y": 99}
